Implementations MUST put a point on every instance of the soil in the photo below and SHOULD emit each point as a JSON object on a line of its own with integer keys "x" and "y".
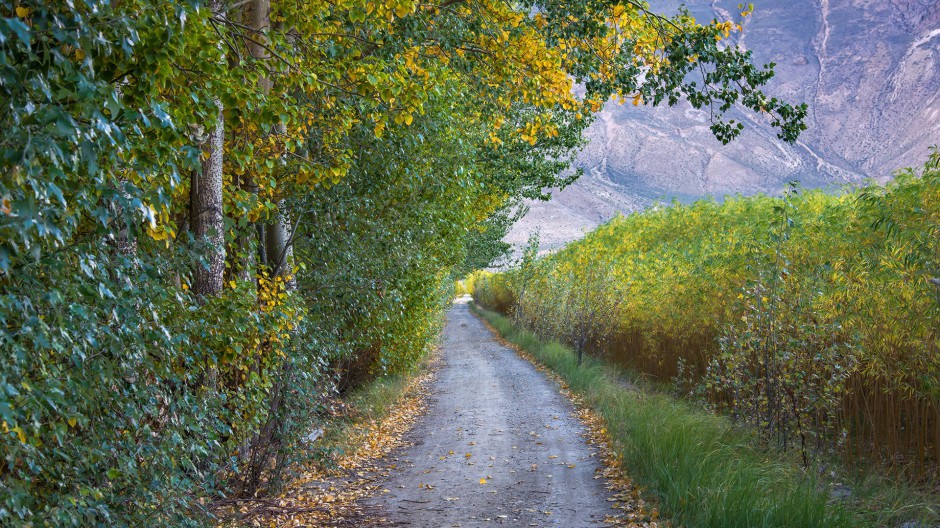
{"x": 499, "y": 445}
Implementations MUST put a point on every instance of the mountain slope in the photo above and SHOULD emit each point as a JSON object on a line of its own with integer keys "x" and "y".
{"x": 868, "y": 69}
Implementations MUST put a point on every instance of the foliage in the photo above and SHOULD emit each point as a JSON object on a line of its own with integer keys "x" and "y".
{"x": 366, "y": 151}
{"x": 704, "y": 471}
{"x": 811, "y": 316}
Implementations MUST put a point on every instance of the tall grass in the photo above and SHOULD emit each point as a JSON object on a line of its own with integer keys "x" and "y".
{"x": 704, "y": 471}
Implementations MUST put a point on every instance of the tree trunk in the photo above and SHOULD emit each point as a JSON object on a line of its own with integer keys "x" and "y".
{"x": 205, "y": 211}
{"x": 278, "y": 246}
{"x": 258, "y": 18}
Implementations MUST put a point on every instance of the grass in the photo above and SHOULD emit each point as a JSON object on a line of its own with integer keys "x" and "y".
{"x": 703, "y": 470}
{"x": 364, "y": 406}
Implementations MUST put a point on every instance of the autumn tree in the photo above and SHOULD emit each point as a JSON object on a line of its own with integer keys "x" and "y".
{"x": 383, "y": 143}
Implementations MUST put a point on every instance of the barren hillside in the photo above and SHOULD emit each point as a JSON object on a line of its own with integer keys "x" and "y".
{"x": 869, "y": 69}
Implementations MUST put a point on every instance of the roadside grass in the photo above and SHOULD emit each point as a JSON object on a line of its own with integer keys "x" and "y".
{"x": 367, "y": 404}
{"x": 361, "y": 410}
{"x": 703, "y": 470}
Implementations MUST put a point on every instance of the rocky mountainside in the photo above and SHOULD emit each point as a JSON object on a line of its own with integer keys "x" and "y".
{"x": 868, "y": 69}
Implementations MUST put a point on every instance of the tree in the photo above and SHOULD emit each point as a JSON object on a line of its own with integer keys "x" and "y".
{"x": 382, "y": 143}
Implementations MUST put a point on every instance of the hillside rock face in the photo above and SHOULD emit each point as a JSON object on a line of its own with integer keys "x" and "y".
{"x": 868, "y": 69}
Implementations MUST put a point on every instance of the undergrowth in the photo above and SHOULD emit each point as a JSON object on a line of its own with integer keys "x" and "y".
{"x": 364, "y": 407}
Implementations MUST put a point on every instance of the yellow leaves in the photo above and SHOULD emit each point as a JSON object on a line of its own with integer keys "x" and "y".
{"x": 637, "y": 99}
{"x": 158, "y": 226}
{"x": 541, "y": 125}
{"x": 494, "y": 140}
{"x": 20, "y": 434}
{"x": 161, "y": 233}
{"x": 540, "y": 21}
{"x": 403, "y": 7}
{"x": 403, "y": 118}
{"x": 319, "y": 494}
{"x": 725, "y": 28}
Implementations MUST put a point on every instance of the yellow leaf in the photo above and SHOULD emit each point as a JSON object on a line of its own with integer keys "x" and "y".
{"x": 401, "y": 7}
{"x": 482, "y": 481}
{"x": 20, "y": 433}
{"x": 22, "y": 12}
{"x": 157, "y": 234}
{"x": 72, "y": 422}
{"x": 408, "y": 119}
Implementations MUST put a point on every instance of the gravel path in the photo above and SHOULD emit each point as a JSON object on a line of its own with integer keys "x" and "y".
{"x": 498, "y": 446}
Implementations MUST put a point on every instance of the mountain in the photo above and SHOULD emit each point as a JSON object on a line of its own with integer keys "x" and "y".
{"x": 868, "y": 69}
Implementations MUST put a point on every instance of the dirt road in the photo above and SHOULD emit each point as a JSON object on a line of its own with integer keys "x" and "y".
{"x": 498, "y": 446}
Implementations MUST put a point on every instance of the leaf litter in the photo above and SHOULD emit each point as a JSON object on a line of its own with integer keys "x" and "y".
{"x": 323, "y": 496}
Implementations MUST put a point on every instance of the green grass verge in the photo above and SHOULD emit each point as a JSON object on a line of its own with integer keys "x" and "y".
{"x": 704, "y": 471}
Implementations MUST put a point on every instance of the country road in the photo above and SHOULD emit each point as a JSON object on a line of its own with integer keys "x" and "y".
{"x": 499, "y": 445}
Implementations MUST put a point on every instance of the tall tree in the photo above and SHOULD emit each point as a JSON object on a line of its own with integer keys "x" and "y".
{"x": 205, "y": 210}
{"x": 205, "y": 200}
